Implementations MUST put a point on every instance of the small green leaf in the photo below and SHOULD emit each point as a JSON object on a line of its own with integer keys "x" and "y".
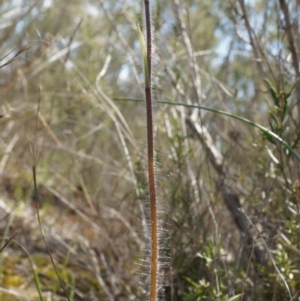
{"x": 292, "y": 89}
{"x": 296, "y": 140}
{"x": 273, "y": 122}
{"x": 273, "y": 117}
{"x": 274, "y": 93}
{"x": 190, "y": 281}
{"x": 284, "y": 108}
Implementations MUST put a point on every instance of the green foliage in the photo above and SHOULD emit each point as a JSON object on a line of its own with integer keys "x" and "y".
{"x": 278, "y": 113}
{"x": 69, "y": 63}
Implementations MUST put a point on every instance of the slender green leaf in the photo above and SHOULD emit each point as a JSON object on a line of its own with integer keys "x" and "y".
{"x": 292, "y": 89}
{"x": 264, "y": 130}
{"x": 274, "y": 93}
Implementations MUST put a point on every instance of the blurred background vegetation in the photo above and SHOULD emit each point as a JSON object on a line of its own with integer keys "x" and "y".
{"x": 66, "y": 68}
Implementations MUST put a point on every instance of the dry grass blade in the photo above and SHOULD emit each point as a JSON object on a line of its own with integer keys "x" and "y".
{"x": 8, "y": 241}
{"x": 21, "y": 50}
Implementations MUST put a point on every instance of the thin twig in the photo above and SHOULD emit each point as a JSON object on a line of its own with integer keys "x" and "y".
{"x": 288, "y": 29}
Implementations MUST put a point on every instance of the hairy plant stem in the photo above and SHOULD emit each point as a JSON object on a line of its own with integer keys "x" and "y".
{"x": 151, "y": 159}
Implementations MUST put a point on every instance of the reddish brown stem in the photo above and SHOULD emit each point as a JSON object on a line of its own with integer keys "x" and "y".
{"x": 151, "y": 161}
